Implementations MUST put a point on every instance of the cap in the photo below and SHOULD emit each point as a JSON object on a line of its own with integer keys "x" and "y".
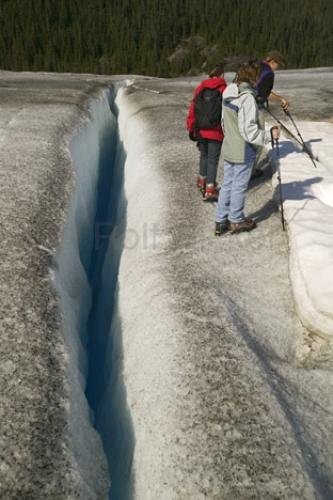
{"x": 277, "y": 57}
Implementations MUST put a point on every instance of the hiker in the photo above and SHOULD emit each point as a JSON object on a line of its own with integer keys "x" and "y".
{"x": 242, "y": 135}
{"x": 264, "y": 86}
{"x": 204, "y": 125}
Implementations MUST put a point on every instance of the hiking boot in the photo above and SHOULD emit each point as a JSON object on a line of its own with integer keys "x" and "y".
{"x": 245, "y": 225}
{"x": 221, "y": 227}
{"x": 211, "y": 193}
{"x": 201, "y": 184}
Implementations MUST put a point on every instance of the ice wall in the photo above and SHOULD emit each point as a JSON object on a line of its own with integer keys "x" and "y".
{"x": 138, "y": 347}
{"x": 92, "y": 151}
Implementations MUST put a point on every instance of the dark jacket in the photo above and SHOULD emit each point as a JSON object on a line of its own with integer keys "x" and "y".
{"x": 264, "y": 83}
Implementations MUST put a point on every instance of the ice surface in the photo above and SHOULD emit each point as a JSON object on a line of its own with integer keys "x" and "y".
{"x": 49, "y": 446}
{"x": 208, "y": 391}
{"x": 324, "y": 193}
{"x": 204, "y": 337}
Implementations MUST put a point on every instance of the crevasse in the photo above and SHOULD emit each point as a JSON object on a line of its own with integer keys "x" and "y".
{"x": 92, "y": 241}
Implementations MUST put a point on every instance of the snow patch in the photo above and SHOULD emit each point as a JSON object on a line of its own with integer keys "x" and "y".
{"x": 308, "y": 207}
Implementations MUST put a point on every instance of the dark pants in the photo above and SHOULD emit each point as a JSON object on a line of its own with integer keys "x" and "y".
{"x": 210, "y": 151}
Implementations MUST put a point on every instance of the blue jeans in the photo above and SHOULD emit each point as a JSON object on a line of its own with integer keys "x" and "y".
{"x": 232, "y": 193}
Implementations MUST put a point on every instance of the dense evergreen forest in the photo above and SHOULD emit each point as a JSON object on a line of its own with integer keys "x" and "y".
{"x": 160, "y": 37}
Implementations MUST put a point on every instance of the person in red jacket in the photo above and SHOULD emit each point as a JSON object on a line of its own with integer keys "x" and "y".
{"x": 209, "y": 139}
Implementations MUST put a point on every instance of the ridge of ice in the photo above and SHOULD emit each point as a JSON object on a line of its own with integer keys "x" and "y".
{"x": 308, "y": 208}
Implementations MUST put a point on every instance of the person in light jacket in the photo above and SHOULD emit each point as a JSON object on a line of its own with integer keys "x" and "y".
{"x": 242, "y": 136}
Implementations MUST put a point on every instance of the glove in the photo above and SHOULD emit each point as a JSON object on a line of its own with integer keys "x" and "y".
{"x": 192, "y": 136}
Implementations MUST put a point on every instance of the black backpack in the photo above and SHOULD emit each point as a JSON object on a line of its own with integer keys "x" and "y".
{"x": 208, "y": 108}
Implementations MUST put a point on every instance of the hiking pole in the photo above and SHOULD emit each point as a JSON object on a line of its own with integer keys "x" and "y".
{"x": 275, "y": 146}
{"x": 305, "y": 147}
{"x": 282, "y": 125}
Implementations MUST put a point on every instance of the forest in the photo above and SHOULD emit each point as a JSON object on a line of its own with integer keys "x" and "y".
{"x": 160, "y": 37}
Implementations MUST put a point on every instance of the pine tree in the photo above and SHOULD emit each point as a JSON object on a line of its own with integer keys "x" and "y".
{"x": 139, "y": 36}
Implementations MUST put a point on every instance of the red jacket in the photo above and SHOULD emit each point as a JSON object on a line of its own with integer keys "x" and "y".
{"x": 213, "y": 133}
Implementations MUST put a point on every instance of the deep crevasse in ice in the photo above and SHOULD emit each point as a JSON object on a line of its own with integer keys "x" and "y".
{"x": 90, "y": 147}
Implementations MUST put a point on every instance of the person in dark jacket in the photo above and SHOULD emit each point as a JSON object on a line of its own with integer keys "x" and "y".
{"x": 265, "y": 83}
{"x": 210, "y": 139}
{"x": 264, "y": 87}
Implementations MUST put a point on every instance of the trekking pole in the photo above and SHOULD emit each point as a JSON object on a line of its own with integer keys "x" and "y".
{"x": 275, "y": 146}
{"x": 282, "y": 125}
{"x": 305, "y": 147}
{"x": 289, "y": 132}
